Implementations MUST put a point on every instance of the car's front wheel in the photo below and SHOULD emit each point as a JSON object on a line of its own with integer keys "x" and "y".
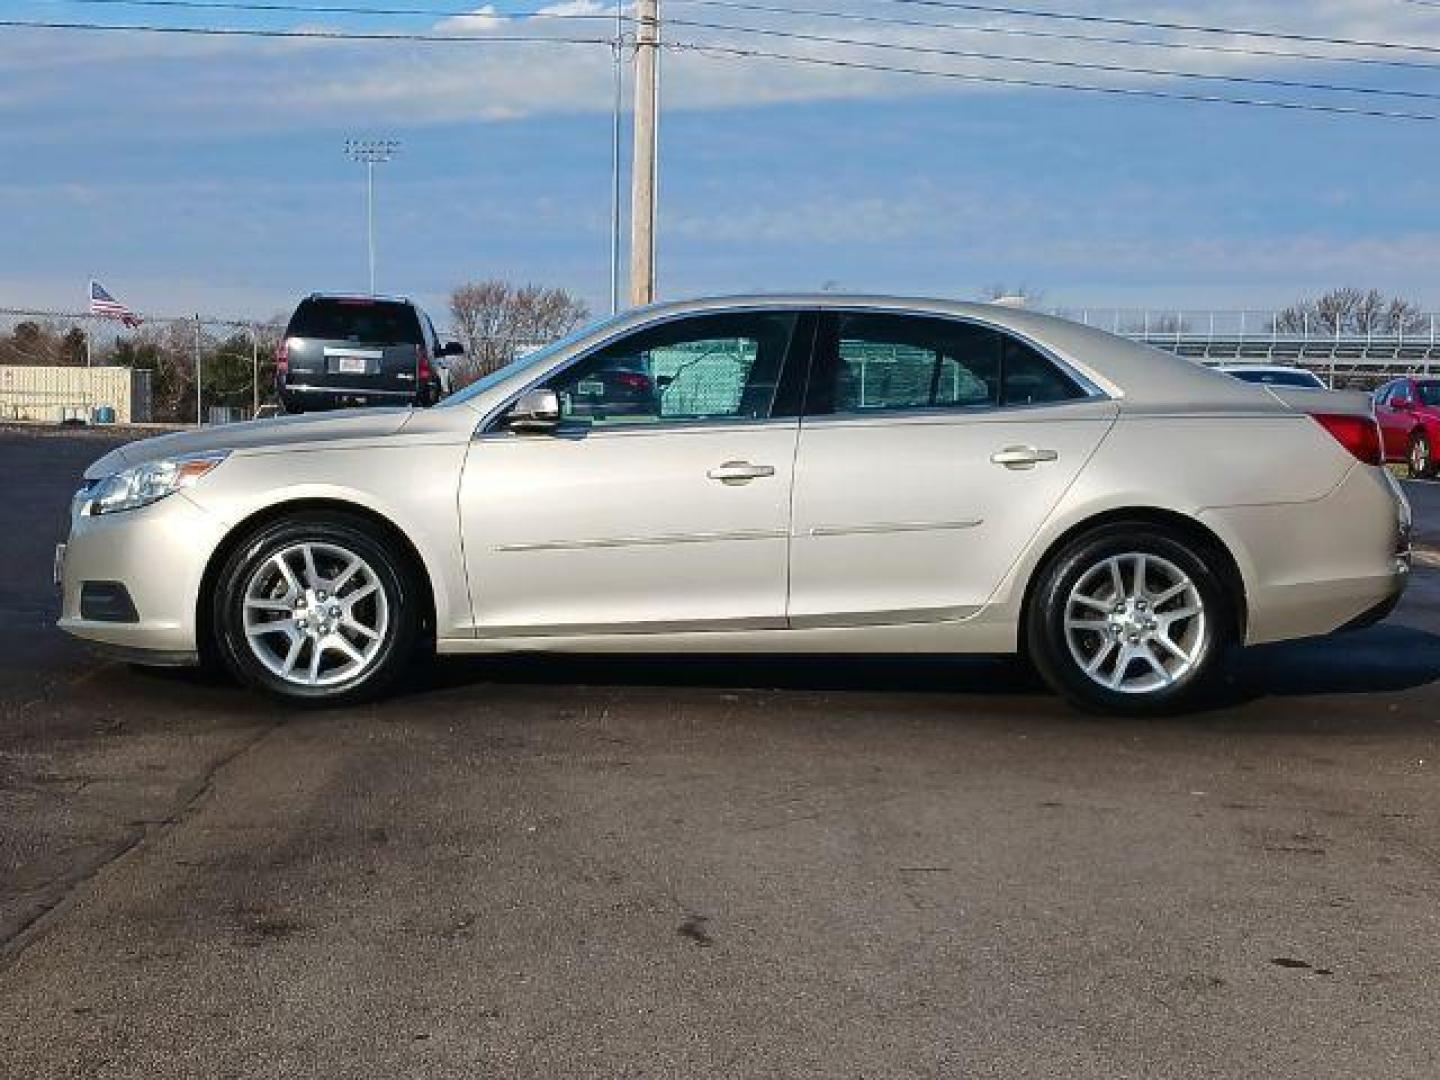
{"x": 1132, "y": 619}
{"x": 318, "y": 608}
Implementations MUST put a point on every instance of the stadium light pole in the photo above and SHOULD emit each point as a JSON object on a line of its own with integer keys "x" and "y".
{"x": 371, "y": 152}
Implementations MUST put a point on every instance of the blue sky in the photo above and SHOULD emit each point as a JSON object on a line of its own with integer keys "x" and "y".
{"x": 196, "y": 174}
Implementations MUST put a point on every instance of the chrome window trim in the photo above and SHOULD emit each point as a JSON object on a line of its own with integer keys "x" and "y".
{"x": 483, "y": 429}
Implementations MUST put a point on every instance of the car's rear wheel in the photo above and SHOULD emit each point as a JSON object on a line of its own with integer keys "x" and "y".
{"x": 1132, "y": 619}
{"x": 1422, "y": 458}
{"x": 317, "y": 608}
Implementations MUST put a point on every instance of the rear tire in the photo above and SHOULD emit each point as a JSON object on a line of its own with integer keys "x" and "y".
{"x": 318, "y": 609}
{"x": 1422, "y": 458}
{"x": 1132, "y": 619}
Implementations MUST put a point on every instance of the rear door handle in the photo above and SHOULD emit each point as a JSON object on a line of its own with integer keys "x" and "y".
{"x": 1023, "y": 457}
{"x": 740, "y": 472}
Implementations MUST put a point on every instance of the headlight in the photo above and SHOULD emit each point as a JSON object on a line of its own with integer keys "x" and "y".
{"x": 142, "y": 485}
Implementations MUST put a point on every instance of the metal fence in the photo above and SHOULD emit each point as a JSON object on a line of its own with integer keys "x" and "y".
{"x": 196, "y": 363}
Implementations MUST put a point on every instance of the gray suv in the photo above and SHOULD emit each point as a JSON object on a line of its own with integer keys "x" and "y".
{"x": 340, "y": 351}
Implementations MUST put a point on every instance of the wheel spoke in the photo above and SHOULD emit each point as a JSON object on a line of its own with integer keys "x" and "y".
{"x": 339, "y": 644}
{"x": 1097, "y": 625}
{"x": 1171, "y": 593}
{"x": 292, "y": 583}
{"x": 1093, "y": 603}
{"x": 1173, "y": 649}
{"x": 267, "y": 605}
{"x": 312, "y": 572}
{"x": 1140, "y": 565}
{"x": 297, "y": 642}
{"x": 1098, "y": 660}
{"x": 1117, "y": 579}
{"x": 362, "y": 592}
{"x": 1147, "y": 654}
{"x": 361, "y": 629}
{"x": 315, "y": 653}
{"x": 351, "y": 569}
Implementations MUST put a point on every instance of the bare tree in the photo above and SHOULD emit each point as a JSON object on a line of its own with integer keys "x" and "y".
{"x": 1352, "y": 311}
{"x": 495, "y": 320}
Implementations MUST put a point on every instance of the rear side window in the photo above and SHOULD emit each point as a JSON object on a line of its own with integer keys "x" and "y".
{"x": 885, "y": 362}
{"x": 375, "y": 322}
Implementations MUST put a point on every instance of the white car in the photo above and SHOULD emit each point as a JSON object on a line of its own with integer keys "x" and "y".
{"x": 802, "y": 474}
{"x": 1293, "y": 378}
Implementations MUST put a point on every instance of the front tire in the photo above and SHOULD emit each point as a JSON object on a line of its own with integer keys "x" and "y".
{"x": 1422, "y": 459}
{"x": 1131, "y": 619}
{"x": 318, "y": 609}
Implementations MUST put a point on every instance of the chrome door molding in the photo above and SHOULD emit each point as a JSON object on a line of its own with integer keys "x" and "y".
{"x": 601, "y": 543}
{"x": 896, "y": 527}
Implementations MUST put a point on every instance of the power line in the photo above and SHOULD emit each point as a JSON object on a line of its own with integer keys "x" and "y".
{"x": 335, "y": 9}
{"x": 737, "y": 52}
{"x": 1062, "y": 35}
{"x": 1151, "y": 24}
{"x": 1080, "y": 65}
{"x": 1003, "y": 80}
{"x": 320, "y": 35}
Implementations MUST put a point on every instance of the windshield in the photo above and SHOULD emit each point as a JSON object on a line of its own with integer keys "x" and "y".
{"x": 538, "y": 358}
{"x": 373, "y": 322}
{"x": 1429, "y": 393}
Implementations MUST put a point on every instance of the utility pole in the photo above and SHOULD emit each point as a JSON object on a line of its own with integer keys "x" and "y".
{"x": 643, "y": 169}
{"x": 371, "y": 152}
{"x": 619, "y": 105}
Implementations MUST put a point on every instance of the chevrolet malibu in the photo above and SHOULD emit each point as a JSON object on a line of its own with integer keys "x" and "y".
{"x": 801, "y": 475}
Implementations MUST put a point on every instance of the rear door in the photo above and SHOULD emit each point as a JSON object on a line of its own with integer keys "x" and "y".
{"x": 355, "y": 346}
{"x": 931, "y": 452}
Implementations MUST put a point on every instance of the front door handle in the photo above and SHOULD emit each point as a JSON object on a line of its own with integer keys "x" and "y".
{"x": 1023, "y": 457}
{"x": 740, "y": 472}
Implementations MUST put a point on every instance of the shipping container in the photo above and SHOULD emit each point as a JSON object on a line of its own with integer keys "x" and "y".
{"x": 56, "y": 394}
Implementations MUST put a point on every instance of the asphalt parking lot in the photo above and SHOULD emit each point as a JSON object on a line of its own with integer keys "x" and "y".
{"x": 605, "y": 868}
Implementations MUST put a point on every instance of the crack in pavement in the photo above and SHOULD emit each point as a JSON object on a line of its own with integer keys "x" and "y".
{"x": 68, "y": 887}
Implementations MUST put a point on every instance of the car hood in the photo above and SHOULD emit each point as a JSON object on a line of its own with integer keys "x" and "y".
{"x": 286, "y": 432}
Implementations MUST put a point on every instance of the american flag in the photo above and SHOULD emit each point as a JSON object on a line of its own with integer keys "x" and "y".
{"x": 107, "y": 307}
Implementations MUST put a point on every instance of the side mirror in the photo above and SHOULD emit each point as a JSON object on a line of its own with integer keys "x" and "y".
{"x": 536, "y": 411}
{"x": 451, "y": 348}
{"x": 1403, "y": 404}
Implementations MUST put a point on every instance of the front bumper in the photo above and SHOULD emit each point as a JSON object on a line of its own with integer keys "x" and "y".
{"x": 158, "y": 554}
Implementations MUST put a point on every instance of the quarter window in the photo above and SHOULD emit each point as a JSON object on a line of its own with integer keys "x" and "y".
{"x": 887, "y": 362}
{"x": 710, "y": 367}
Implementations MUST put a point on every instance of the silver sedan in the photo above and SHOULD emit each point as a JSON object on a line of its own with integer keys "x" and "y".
{"x": 801, "y": 474}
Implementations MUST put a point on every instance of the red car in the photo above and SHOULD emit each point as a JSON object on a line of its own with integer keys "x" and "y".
{"x": 1408, "y": 411}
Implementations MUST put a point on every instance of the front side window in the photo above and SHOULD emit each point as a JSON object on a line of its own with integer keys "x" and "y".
{"x": 707, "y": 367}
{"x": 1429, "y": 393}
{"x": 885, "y": 362}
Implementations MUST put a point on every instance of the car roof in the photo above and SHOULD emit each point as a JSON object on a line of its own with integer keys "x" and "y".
{"x": 360, "y": 297}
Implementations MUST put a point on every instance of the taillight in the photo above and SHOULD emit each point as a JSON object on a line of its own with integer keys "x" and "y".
{"x": 1358, "y": 434}
{"x": 633, "y": 381}
{"x": 422, "y": 364}
{"x": 282, "y": 358}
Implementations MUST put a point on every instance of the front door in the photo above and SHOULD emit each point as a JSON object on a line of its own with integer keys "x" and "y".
{"x": 931, "y": 451}
{"x": 661, "y": 503}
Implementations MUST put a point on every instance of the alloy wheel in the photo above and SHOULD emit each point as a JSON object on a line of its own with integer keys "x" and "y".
{"x": 316, "y": 614}
{"x": 1135, "y": 623}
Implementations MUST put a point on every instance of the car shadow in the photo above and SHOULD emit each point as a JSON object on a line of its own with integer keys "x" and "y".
{"x": 1384, "y": 659}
